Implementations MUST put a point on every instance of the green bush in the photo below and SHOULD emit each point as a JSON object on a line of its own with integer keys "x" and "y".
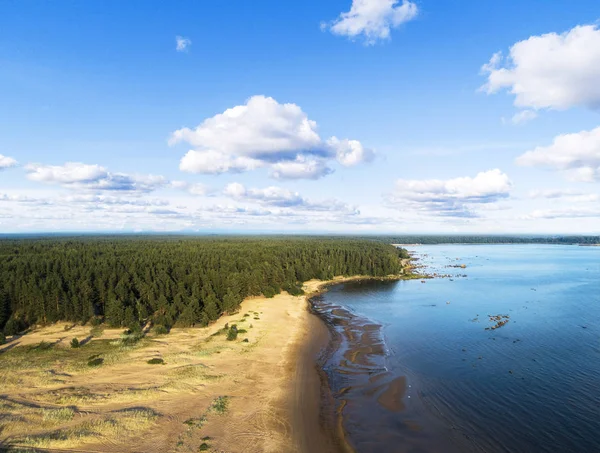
{"x": 232, "y": 333}
{"x": 2, "y": 338}
{"x": 156, "y": 361}
{"x": 75, "y": 343}
{"x": 159, "y": 329}
{"x": 96, "y": 362}
{"x": 204, "y": 447}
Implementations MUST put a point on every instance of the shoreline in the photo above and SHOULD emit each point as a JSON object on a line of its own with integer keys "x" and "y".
{"x": 330, "y": 415}
{"x": 364, "y": 389}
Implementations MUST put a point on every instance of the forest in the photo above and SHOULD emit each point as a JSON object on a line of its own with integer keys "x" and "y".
{"x": 128, "y": 281}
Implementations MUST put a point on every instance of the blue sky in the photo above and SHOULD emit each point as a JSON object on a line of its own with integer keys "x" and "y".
{"x": 92, "y": 95}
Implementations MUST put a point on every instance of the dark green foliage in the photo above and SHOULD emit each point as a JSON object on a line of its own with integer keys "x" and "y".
{"x": 204, "y": 447}
{"x": 75, "y": 343}
{"x": 156, "y": 361}
{"x": 2, "y": 338}
{"x": 160, "y": 330}
{"x": 232, "y": 333}
{"x": 129, "y": 281}
{"x": 96, "y": 362}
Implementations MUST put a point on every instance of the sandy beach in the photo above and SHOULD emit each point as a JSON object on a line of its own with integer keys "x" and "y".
{"x": 259, "y": 393}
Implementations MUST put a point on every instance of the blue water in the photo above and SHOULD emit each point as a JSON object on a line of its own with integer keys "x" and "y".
{"x": 532, "y": 385}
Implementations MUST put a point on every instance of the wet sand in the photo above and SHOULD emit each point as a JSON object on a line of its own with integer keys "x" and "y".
{"x": 374, "y": 411}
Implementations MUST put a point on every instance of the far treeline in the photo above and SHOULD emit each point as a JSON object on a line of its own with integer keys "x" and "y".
{"x": 169, "y": 281}
{"x": 451, "y": 239}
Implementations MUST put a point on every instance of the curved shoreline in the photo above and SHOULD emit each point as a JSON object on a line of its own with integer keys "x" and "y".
{"x": 372, "y": 409}
{"x": 330, "y": 412}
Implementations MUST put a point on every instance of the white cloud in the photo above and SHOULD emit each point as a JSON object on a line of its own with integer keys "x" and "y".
{"x": 452, "y": 197}
{"x": 6, "y": 162}
{"x": 77, "y": 175}
{"x": 577, "y": 154}
{"x": 214, "y": 162}
{"x": 524, "y": 116}
{"x": 372, "y": 19}
{"x": 284, "y": 198}
{"x": 182, "y": 44}
{"x": 192, "y": 188}
{"x": 555, "y": 71}
{"x": 350, "y": 152}
{"x": 569, "y": 213}
{"x": 301, "y": 168}
{"x": 264, "y": 133}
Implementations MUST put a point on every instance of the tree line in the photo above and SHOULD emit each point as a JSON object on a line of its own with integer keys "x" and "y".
{"x": 170, "y": 281}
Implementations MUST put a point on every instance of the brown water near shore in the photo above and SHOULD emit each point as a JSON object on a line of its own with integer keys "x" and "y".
{"x": 362, "y": 389}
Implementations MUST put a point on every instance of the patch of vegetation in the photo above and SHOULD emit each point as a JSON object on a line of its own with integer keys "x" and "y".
{"x": 2, "y": 338}
{"x": 75, "y": 343}
{"x": 242, "y": 331}
{"x": 61, "y": 415}
{"x": 117, "y": 424}
{"x": 159, "y": 329}
{"x": 97, "y": 331}
{"x": 203, "y": 447}
{"x": 95, "y": 362}
{"x": 220, "y": 404}
{"x": 232, "y": 333}
{"x": 196, "y": 422}
{"x": 156, "y": 361}
{"x": 41, "y": 346}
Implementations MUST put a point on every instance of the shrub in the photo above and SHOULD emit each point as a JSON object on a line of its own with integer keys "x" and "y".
{"x": 75, "y": 343}
{"x": 156, "y": 361}
{"x": 2, "y": 338}
{"x": 233, "y": 333}
{"x": 159, "y": 329}
{"x": 220, "y": 404}
{"x": 242, "y": 331}
{"x": 204, "y": 447}
{"x": 96, "y": 362}
{"x": 270, "y": 292}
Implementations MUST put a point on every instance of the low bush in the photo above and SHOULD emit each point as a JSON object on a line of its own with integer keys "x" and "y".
{"x": 232, "y": 333}
{"x": 96, "y": 362}
{"x": 156, "y": 361}
{"x": 75, "y": 343}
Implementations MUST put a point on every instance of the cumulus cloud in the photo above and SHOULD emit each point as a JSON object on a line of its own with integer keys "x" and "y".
{"x": 372, "y": 20}
{"x": 284, "y": 198}
{"x": 77, "y": 175}
{"x": 6, "y": 162}
{"x": 264, "y": 133}
{"x": 556, "y": 71}
{"x": 452, "y": 197}
{"x": 301, "y": 168}
{"x": 182, "y": 44}
{"x": 577, "y": 155}
{"x": 350, "y": 152}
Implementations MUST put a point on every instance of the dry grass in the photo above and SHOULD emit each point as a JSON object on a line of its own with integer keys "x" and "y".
{"x": 52, "y": 398}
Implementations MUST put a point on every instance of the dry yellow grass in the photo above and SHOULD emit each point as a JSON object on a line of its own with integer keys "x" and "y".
{"x": 235, "y": 392}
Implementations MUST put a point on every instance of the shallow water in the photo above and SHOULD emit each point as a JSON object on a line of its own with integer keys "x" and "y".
{"x": 532, "y": 385}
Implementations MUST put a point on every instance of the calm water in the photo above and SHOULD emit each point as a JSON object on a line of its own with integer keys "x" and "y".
{"x": 532, "y": 385}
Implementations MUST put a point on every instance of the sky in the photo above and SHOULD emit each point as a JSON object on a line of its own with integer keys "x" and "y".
{"x": 345, "y": 116}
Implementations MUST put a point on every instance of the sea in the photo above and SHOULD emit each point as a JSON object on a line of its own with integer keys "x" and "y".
{"x": 499, "y": 353}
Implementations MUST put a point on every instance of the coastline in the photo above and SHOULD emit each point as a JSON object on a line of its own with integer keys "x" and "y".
{"x": 359, "y": 389}
{"x": 331, "y": 413}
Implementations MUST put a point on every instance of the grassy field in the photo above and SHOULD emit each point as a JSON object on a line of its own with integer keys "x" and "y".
{"x": 109, "y": 390}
